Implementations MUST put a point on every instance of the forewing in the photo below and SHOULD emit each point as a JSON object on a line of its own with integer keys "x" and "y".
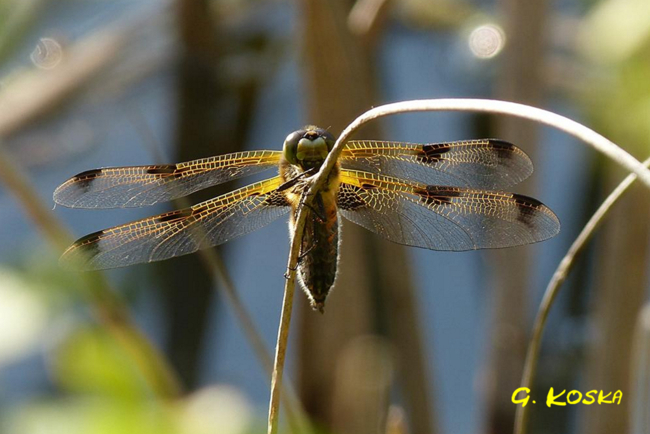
{"x": 443, "y": 218}
{"x": 483, "y": 164}
{"x": 121, "y": 187}
{"x": 180, "y": 232}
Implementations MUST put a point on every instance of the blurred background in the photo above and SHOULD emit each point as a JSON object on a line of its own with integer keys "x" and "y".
{"x": 413, "y": 341}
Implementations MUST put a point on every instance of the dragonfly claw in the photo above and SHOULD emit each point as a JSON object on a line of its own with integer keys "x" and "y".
{"x": 319, "y": 306}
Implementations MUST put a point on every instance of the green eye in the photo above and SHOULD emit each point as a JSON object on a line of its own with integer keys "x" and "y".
{"x": 290, "y": 147}
{"x": 329, "y": 138}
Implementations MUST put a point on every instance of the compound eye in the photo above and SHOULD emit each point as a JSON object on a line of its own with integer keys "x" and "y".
{"x": 329, "y": 138}
{"x": 290, "y": 147}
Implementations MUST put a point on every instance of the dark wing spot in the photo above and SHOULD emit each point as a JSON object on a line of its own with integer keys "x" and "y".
{"x": 174, "y": 215}
{"x": 84, "y": 179}
{"x": 432, "y": 154}
{"x": 525, "y": 200}
{"x": 88, "y": 174}
{"x": 505, "y": 150}
{"x": 80, "y": 253}
{"x": 367, "y": 186}
{"x": 435, "y": 195}
{"x": 527, "y": 206}
{"x": 166, "y": 169}
{"x": 90, "y": 238}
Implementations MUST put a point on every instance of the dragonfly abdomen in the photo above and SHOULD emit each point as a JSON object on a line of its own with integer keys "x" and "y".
{"x": 319, "y": 253}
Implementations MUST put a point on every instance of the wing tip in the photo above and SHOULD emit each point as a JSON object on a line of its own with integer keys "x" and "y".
{"x": 79, "y": 255}
{"x": 67, "y": 193}
{"x": 507, "y": 149}
{"x": 527, "y": 206}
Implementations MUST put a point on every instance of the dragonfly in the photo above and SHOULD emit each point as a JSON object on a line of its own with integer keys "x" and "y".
{"x": 438, "y": 196}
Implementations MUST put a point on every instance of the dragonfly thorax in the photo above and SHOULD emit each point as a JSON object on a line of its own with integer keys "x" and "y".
{"x": 308, "y": 147}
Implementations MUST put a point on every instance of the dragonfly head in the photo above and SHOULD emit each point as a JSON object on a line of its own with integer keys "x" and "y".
{"x": 308, "y": 147}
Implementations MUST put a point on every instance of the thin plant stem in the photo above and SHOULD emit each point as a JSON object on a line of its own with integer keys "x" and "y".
{"x": 281, "y": 347}
{"x": 553, "y": 289}
{"x": 290, "y": 283}
{"x": 523, "y": 111}
{"x": 108, "y": 308}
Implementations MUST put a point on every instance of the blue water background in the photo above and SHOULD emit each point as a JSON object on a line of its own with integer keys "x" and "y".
{"x": 454, "y": 293}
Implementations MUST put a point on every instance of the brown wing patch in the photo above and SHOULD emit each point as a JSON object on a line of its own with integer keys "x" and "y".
{"x": 168, "y": 169}
{"x": 175, "y": 215}
{"x": 432, "y": 154}
{"x": 527, "y": 207}
{"x": 434, "y": 195}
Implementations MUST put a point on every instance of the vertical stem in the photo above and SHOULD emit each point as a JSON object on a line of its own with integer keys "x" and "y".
{"x": 283, "y": 334}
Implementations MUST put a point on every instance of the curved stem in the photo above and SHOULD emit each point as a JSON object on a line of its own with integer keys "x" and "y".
{"x": 587, "y": 135}
{"x": 562, "y": 123}
{"x": 553, "y": 289}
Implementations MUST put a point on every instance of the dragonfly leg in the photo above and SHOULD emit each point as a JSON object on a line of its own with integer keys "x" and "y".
{"x": 319, "y": 213}
{"x": 300, "y": 259}
{"x": 296, "y": 179}
{"x": 286, "y": 273}
{"x": 305, "y": 253}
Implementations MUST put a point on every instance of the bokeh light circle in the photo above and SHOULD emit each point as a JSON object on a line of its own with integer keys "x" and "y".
{"x": 47, "y": 54}
{"x": 487, "y": 41}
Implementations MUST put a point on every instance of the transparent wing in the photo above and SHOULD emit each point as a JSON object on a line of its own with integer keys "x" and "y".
{"x": 443, "y": 218}
{"x": 180, "y": 232}
{"x": 122, "y": 187}
{"x": 485, "y": 163}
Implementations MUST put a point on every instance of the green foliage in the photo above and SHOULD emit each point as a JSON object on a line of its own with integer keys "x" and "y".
{"x": 615, "y": 38}
{"x": 90, "y": 361}
{"x": 98, "y": 387}
{"x": 86, "y": 415}
{"x": 16, "y": 17}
